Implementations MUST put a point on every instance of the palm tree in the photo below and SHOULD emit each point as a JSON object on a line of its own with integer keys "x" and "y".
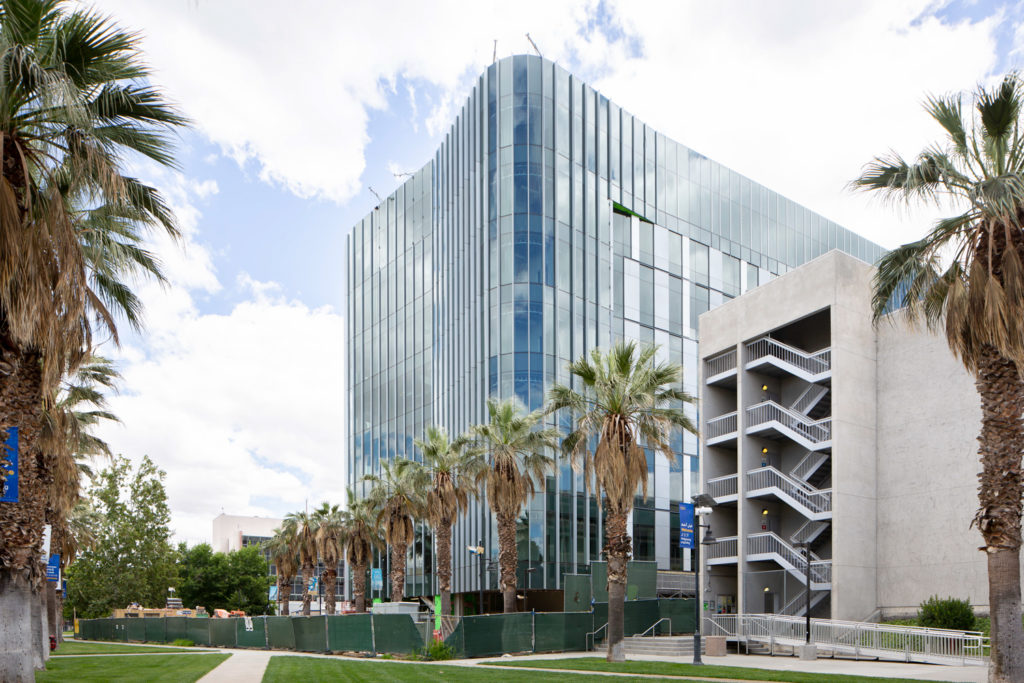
{"x": 282, "y": 554}
{"x": 330, "y": 530}
{"x": 302, "y": 529}
{"x": 397, "y": 496}
{"x": 965, "y": 277}
{"x": 626, "y": 401}
{"x": 518, "y": 463}
{"x": 74, "y": 104}
{"x": 360, "y": 538}
{"x": 452, "y": 469}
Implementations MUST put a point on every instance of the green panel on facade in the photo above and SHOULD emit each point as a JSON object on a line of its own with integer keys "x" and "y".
{"x": 281, "y": 633}
{"x": 199, "y": 631}
{"x": 136, "y": 629}
{"x": 310, "y": 634}
{"x": 497, "y": 634}
{"x": 254, "y": 638}
{"x": 396, "y": 633}
{"x": 562, "y": 631}
{"x": 680, "y": 611}
{"x": 177, "y": 628}
{"x": 222, "y": 632}
{"x": 577, "y": 593}
{"x": 156, "y": 630}
{"x": 350, "y": 633}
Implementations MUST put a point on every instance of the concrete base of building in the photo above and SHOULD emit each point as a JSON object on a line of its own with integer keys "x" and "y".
{"x": 808, "y": 651}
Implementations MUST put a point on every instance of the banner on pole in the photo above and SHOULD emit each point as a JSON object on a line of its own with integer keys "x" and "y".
{"x": 686, "y": 539}
{"x": 9, "y": 466}
{"x": 53, "y": 568}
{"x": 376, "y": 579}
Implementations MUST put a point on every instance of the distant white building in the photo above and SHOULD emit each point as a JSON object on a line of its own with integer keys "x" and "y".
{"x": 234, "y": 532}
{"x": 820, "y": 427}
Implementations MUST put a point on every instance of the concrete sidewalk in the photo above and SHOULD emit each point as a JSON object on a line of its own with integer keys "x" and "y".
{"x": 242, "y": 666}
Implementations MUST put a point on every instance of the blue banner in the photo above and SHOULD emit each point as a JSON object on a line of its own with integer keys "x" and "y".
{"x": 376, "y": 579}
{"x": 686, "y": 525}
{"x": 53, "y": 568}
{"x": 9, "y": 463}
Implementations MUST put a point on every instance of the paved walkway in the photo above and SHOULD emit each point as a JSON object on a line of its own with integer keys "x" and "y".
{"x": 242, "y": 666}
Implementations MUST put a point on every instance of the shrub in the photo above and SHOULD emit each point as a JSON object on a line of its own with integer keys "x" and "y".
{"x": 948, "y": 613}
{"x": 182, "y": 642}
{"x": 436, "y": 651}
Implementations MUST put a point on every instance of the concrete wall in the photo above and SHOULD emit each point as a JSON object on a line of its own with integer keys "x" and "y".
{"x": 929, "y": 416}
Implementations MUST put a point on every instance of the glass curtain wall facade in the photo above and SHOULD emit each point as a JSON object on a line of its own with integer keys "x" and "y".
{"x": 549, "y": 222}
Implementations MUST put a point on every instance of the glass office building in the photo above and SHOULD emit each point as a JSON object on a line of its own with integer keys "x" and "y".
{"x": 550, "y": 221}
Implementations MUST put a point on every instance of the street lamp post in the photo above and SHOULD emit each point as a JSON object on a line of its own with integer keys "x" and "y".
{"x": 478, "y": 550}
{"x": 807, "y": 651}
{"x": 702, "y": 507}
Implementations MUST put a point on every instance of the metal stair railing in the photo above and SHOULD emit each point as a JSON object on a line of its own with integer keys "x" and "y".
{"x": 769, "y": 543}
{"x": 725, "y": 547}
{"x": 723, "y": 362}
{"x": 808, "y": 465}
{"x": 815, "y": 500}
{"x": 721, "y": 625}
{"x": 591, "y": 638}
{"x": 719, "y": 487}
{"x": 792, "y": 608}
{"x": 815, "y": 431}
{"x": 812, "y": 363}
{"x": 808, "y": 399}
{"x": 721, "y": 425}
{"x": 808, "y": 531}
{"x": 652, "y": 626}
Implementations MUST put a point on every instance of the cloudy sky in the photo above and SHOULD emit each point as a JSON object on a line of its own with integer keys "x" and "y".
{"x": 237, "y": 388}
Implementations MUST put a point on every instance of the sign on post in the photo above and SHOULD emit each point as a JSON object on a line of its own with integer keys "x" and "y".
{"x": 53, "y": 568}
{"x": 686, "y": 539}
{"x": 9, "y": 463}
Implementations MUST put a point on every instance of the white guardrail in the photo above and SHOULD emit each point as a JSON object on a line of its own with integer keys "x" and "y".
{"x": 720, "y": 487}
{"x": 813, "y": 363}
{"x": 857, "y": 639}
{"x": 815, "y": 500}
{"x": 723, "y": 362}
{"x": 721, "y": 425}
{"x": 769, "y": 543}
{"x": 769, "y": 411}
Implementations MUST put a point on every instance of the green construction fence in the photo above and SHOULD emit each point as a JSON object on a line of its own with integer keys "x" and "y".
{"x": 473, "y": 636}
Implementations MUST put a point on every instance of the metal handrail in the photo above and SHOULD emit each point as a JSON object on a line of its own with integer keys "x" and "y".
{"x": 724, "y": 547}
{"x": 723, "y": 362}
{"x": 723, "y": 486}
{"x": 813, "y": 363}
{"x": 592, "y": 637}
{"x": 721, "y": 425}
{"x": 770, "y": 543}
{"x": 811, "y": 461}
{"x": 809, "y": 398}
{"x": 655, "y": 624}
{"x": 815, "y": 500}
{"x": 815, "y": 431}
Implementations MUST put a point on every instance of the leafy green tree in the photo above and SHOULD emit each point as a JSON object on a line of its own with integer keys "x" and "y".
{"x": 250, "y": 579}
{"x": 132, "y": 559}
{"x": 627, "y": 401}
{"x": 518, "y": 462}
{"x": 965, "y": 278}
{"x": 204, "y": 577}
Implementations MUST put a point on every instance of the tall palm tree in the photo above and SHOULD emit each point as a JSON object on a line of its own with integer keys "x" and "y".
{"x": 627, "y": 401}
{"x": 302, "y": 529}
{"x": 361, "y": 536}
{"x": 965, "y": 277}
{"x": 451, "y": 468}
{"x": 397, "y": 496}
{"x": 74, "y": 105}
{"x": 282, "y": 554}
{"x": 517, "y": 464}
{"x": 330, "y": 531}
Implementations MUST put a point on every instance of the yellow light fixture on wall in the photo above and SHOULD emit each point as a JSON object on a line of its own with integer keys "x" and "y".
{"x": 764, "y": 512}
{"x": 764, "y": 387}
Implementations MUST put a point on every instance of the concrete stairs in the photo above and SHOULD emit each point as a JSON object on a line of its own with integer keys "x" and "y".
{"x": 661, "y": 646}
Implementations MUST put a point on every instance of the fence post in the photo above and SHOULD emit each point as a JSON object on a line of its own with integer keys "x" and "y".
{"x": 327, "y": 635}
{"x": 533, "y": 631}
{"x": 373, "y": 638}
{"x": 266, "y": 632}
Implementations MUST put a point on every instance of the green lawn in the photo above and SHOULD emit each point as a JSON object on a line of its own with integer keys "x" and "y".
{"x": 159, "y": 668}
{"x": 69, "y": 647}
{"x": 284, "y": 669}
{"x": 709, "y": 670}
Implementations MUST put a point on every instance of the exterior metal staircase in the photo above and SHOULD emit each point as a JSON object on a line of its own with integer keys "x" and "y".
{"x": 798, "y": 605}
{"x": 768, "y": 416}
{"x": 811, "y": 367}
{"x": 809, "y": 465}
{"x": 809, "y": 400}
{"x": 768, "y": 546}
{"x": 808, "y": 532}
{"x": 810, "y": 502}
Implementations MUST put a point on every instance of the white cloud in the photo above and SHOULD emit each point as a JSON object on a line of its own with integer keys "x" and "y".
{"x": 241, "y": 409}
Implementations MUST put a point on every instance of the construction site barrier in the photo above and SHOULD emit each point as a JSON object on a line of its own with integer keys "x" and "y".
{"x": 471, "y": 636}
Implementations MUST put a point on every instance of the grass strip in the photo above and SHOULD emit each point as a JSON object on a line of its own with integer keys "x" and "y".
{"x": 284, "y": 669}
{"x": 72, "y": 648}
{"x": 709, "y": 670}
{"x": 151, "y": 668}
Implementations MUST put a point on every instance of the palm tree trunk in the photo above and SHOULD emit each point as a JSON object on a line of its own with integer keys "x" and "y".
{"x": 40, "y": 636}
{"x": 330, "y": 579}
{"x": 444, "y": 565}
{"x": 284, "y": 592}
{"x": 307, "y": 575}
{"x": 359, "y": 587}
{"x": 999, "y": 517}
{"x": 617, "y": 552}
{"x": 51, "y": 610}
{"x": 21, "y": 523}
{"x": 508, "y": 559}
{"x": 398, "y": 572}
